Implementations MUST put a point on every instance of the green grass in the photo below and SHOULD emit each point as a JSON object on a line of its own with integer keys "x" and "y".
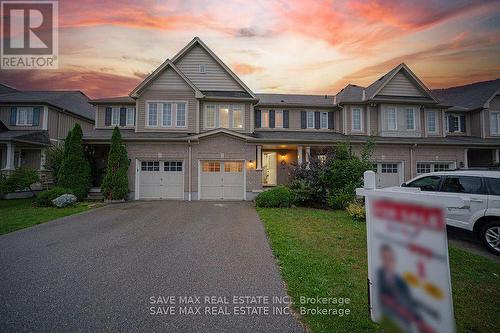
{"x": 20, "y": 213}
{"x": 323, "y": 253}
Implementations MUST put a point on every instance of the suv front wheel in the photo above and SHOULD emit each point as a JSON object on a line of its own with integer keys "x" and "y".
{"x": 490, "y": 235}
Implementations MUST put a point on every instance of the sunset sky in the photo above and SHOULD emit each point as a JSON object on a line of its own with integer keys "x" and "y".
{"x": 296, "y": 46}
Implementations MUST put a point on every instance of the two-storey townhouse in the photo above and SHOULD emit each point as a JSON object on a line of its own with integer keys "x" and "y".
{"x": 193, "y": 130}
{"x": 33, "y": 120}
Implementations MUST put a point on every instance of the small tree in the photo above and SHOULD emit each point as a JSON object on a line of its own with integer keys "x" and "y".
{"x": 54, "y": 156}
{"x": 74, "y": 173}
{"x": 115, "y": 183}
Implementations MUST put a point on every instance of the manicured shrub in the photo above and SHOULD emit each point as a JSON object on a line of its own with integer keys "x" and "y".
{"x": 115, "y": 183}
{"x": 21, "y": 179}
{"x": 44, "y": 199}
{"x": 356, "y": 210}
{"x": 75, "y": 169}
{"x": 279, "y": 196}
{"x": 331, "y": 180}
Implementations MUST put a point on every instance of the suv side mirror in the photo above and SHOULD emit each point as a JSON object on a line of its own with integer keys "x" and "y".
{"x": 404, "y": 185}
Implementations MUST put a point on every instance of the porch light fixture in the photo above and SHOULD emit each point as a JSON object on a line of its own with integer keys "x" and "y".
{"x": 251, "y": 164}
{"x": 283, "y": 156}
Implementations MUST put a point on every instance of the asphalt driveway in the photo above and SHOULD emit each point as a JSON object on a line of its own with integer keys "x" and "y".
{"x": 102, "y": 269}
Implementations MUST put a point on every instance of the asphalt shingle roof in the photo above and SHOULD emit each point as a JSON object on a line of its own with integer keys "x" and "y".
{"x": 36, "y": 137}
{"x": 351, "y": 93}
{"x": 468, "y": 97}
{"x": 295, "y": 99}
{"x": 119, "y": 99}
{"x": 73, "y": 101}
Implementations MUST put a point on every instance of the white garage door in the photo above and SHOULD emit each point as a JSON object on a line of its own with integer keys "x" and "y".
{"x": 161, "y": 180}
{"x": 389, "y": 174}
{"x": 222, "y": 180}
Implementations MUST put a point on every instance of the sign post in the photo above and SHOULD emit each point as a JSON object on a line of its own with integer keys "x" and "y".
{"x": 408, "y": 268}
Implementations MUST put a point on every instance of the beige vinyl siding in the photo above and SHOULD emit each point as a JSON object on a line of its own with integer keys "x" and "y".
{"x": 101, "y": 115}
{"x": 475, "y": 123}
{"x": 5, "y": 118}
{"x": 31, "y": 158}
{"x": 60, "y": 123}
{"x": 494, "y": 107}
{"x": 246, "y": 116}
{"x": 169, "y": 80}
{"x": 215, "y": 77}
{"x": 171, "y": 95}
{"x": 400, "y": 85}
{"x": 401, "y": 121}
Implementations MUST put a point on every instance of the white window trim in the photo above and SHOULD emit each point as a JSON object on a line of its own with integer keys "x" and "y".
{"x": 174, "y": 112}
{"x": 130, "y": 110}
{"x": 171, "y": 115}
{"x": 276, "y": 124}
{"x": 387, "y": 111}
{"x": 360, "y": 119}
{"x": 321, "y": 120}
{"x": 413, "y": 113}
{"x": 159, "y": 113}
{"x": 29, "y": 120}
{"x": 435, "y": 122}
{"x": 307, "y": 119}
{"x": 202, "y": 68}
{"x": 457, "y": 115}
{"x": 492, "y": 115}
{"x": 114, "y": 110}
{"x": 231, "y": 108}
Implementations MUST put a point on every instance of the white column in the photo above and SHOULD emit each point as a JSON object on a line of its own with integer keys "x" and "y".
{"x": 259, "y": 158}
{"x": 497, "y": 156}
{"x": 9, "y": 163}
{"x": 308, "y": 155}
{"x": 299, "y": 155}
{"x": 466, "y": 160}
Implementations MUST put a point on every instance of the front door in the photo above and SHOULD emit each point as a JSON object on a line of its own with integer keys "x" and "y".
{"x": 269, "y": 168}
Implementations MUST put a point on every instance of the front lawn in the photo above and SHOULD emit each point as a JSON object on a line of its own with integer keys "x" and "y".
{"x": 20, "y": 213}
{"x": 323, "y": 254}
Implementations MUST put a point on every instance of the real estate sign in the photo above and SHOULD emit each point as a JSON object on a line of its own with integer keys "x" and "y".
{"x": 408, "y": 269}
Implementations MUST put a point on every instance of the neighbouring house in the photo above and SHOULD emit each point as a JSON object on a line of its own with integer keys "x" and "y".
{"x": 30, "y": 121}
{"x": 193, "y": 130}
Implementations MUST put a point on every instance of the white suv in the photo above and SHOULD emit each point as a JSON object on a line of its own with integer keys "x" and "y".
{"x": 481, "y": 188}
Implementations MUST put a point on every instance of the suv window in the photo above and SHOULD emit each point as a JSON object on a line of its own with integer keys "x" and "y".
{"x": 463, "y": 184}
{"x": 429, "y": 183}
{"x": 493, "y": 185}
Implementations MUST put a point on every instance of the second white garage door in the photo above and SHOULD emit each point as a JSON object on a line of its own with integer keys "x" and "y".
{"x": 222, "y": 180}
{"x": 161, "y": 180}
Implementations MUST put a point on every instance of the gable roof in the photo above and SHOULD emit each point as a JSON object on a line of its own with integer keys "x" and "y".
{"x": 373, "y": 89}
{"x": 295, "y": 100}
{"x": 166, "y": 64}
{"x": 220, "y": 131}
{"x": 351, "y": 93}
{"x": 75, "y": 102}
{"x": 469, "y": 97}
{"x": 198, "y": 41}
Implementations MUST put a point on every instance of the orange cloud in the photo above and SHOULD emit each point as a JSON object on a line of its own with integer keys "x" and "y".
{"x": 244, "y": 69}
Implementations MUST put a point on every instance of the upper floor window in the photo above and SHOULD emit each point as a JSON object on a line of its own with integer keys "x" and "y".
{"x": 392, "y": 122}
{"x": 115, "y": 116}
{"x": 130, "y": 116}
{"x": 495, "y": 122}
{"x": 170, "y": 114}
{"x": 224, "y": 116}
{"x": 431, "y": 121}
{"x": 237, "y": 116}
{"x": 324, "y": 120}
{"x": 356, "y": 119}
{"x": 264, "y": 119}
{"x": 202, "y": 68}
{"x": 278, "y": 119}
{"x": 410, "y": 118}
{"x": 24, "y": 116}
{"x": 310, "y": 119}
{"x": 455, "y": 123}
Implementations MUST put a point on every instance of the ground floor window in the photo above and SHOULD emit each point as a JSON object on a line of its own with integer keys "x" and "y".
{"x": 426, "y": 167}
